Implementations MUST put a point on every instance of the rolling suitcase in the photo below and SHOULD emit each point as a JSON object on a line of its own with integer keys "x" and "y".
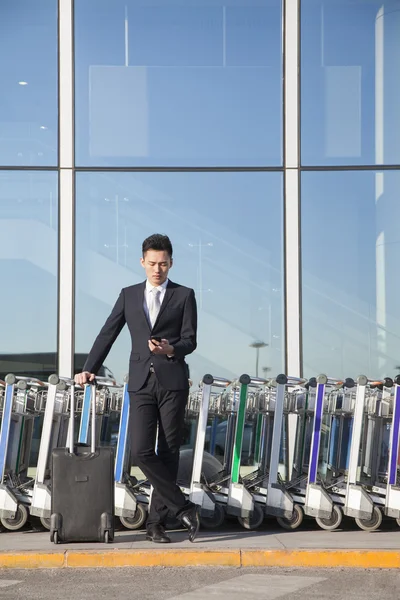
{"x": 82, "y": 484}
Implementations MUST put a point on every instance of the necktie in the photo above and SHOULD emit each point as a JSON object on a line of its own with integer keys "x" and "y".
{"x": 154, "y": 306}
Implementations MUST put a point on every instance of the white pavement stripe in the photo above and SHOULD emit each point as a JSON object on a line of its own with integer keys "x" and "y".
{"x": 265, "y": 587}
{"x": 7, "y": 582}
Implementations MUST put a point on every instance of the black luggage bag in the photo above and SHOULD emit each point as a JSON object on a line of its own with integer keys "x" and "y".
{"x": 82, "y": 489}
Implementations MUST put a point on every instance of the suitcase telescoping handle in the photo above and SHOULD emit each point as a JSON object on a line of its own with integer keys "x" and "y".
{"x": 105, "y": 381}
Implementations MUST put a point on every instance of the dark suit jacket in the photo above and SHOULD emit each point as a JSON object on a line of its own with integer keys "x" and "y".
{"x": 176, "y": 322}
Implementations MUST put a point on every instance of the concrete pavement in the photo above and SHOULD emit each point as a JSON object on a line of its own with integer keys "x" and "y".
{"x": 229, "y": 546}
{"x": 198, "y": 584}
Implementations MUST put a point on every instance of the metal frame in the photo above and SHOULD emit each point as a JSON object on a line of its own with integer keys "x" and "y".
{"x": 66, "y": 286}
{"x": 291, "y": 187}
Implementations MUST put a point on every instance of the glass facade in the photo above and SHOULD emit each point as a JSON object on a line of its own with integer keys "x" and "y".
{"x": 350, "y": 60}
{"x": 261, "y": 135}
{"x": 178, "y": 83}
{"x": 350, "y": 251}
{"x": 217, "y": 224}
{"x": 28, "y": 266}
{"x": 29, "y": 86}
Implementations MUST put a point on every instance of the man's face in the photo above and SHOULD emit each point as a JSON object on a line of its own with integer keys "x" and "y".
{"x": 156, "y": 263}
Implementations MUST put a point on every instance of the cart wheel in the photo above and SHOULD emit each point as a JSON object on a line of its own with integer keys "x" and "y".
{"x": 106, "y": 537}
{"x": 333, "y": 522}
{"x": 137, "y": 521}
{"x": 295, "y": 520}
{"x": 45, "y": 521}
{"x": 373, "y": 523}
{"x": 21, "y": 517}
{"x": 255, "y": 520}
{"x": 216, "y": 520}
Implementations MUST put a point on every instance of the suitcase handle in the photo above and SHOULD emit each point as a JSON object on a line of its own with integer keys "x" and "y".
{"x": 72, "y": 416}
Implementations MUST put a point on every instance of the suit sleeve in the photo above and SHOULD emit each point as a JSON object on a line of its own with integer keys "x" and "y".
{"x": 107, "y": 336}
{"x": 188, "y": 342}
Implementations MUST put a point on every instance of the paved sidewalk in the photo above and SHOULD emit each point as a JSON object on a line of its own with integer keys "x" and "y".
{"x": 230, "y": 536}
{"x": 230, "y": 546}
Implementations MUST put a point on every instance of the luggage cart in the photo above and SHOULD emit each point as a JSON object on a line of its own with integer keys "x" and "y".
{"x": 54, "y": 434}
{"x": 272, "y": 408}
{"x": 300, "y": 400}
{"x": 229, "y": 488}
{"x": 325, "y": 487}
{"x": 280, "y": 502}
{"x": 212, "y": 514}
{"x": 131, "y": 512}
{"x": 10, "y": 508}
{"x": 363, "y": 498}
{"x": 19, "y": 412}
{"x": 334, "y": 455}
{"x": 392, "y": 503}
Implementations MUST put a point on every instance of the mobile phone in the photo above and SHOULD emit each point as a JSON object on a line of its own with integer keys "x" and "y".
{"x": 155, "y": 340}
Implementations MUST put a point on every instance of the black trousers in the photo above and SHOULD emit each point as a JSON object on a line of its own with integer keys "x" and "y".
{"x": 152, "y": 405}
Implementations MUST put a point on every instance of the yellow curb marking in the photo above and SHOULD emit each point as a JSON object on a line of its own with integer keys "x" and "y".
{"x": 153, "y": 558}
{"x": 379, "y": 559}
{"x": 34, "y": 560}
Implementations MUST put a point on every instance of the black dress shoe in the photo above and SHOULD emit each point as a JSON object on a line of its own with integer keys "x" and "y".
{"x": 190, "y": 519}
{"x": 156, "y": 533}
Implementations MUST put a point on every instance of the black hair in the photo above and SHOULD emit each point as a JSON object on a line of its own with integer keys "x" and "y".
{"x": 157, "y": 241}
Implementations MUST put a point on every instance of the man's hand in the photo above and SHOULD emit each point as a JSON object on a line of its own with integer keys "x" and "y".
{"x": 85, "y": 377}
{"x": 162, "y": 348}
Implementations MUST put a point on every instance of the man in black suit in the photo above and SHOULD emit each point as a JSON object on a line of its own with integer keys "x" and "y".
{"x": 162, "y": 320}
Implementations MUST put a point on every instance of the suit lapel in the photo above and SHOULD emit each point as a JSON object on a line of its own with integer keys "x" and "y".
{"x": 141, "y": 300}
{"x": 169, "y": 292}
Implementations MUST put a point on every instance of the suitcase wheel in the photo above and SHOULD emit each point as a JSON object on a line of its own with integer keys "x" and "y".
{"x": 107, "y": 539}
{"x": 54, "y": 537}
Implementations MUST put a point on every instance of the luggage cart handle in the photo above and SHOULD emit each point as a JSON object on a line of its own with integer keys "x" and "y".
{"x": 283, "y": 379}
{"x": 69, "y": 381}
{"x": 31, "y": 380}
{"x": 257, "y": 381}
{"x": 216, "y": 381}
{"x": 335, "y": 382}
{"x": 378, "y": 383}
{"x": 340, "y": 383}
{"x": 106, "y": 381}
{"x": 295, "y": 380}
{"x": 374, "y": 383}
{"x": 323, "y": 379}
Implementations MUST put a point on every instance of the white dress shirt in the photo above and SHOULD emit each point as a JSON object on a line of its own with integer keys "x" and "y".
{"x": 148, "y": 296}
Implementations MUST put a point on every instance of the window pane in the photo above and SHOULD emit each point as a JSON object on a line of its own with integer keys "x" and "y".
{"x": 28, "y": 74}
{"x": 178, "y": 83}
{"x": 350, "y": 254}
{"x": 226, "y": 229}
{"x": 350, "y": 59}
{"x": 28, "y": 266}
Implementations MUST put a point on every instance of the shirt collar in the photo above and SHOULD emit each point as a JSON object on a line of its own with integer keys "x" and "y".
{"x": 163, "y": 286}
